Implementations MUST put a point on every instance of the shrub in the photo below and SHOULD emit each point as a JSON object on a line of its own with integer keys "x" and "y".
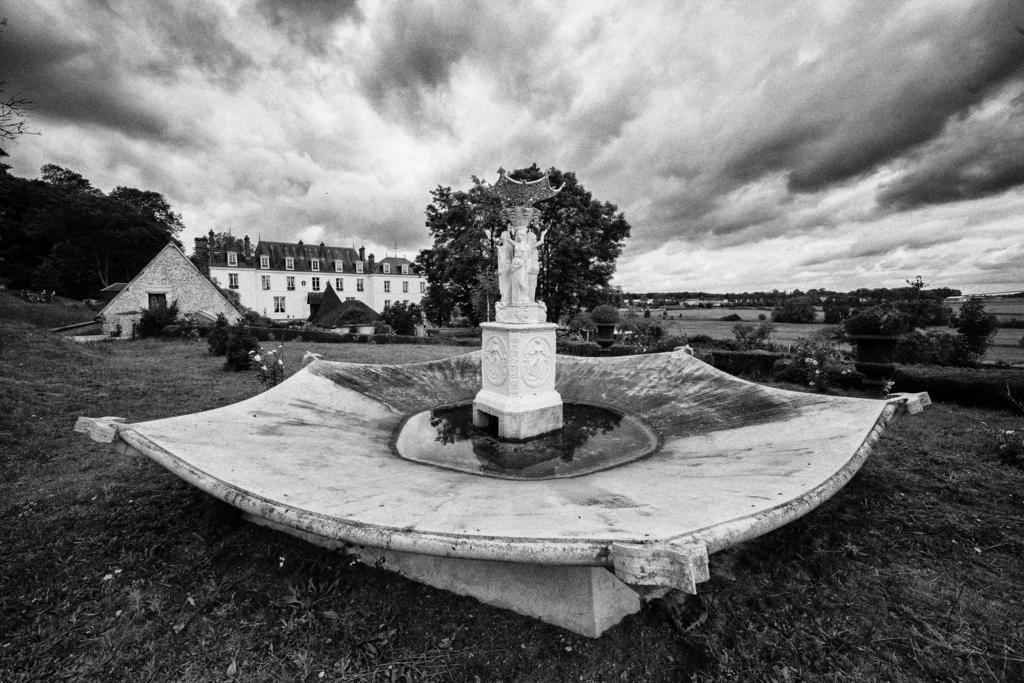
{"x": 382, "y": 328}
{"x": 154, "y": 320}
{"x": 986, "y": 387}
{"x": 732, "y": 318}
{"x": 816, "y": 361}
{"x": 880, "y": 319}
{"x": 605, "y": 314}
{"x": 241, "y": 346}
{"x": 762, "y": 316}
{"x": 217, "y": 339}
{"x": 835, "y": 313}
{"x": 269, "y": 365}
{"x": 796, "y": 310}
{"x": 402, "y": 317}
{"x": 757, "y": 363}
{"x": 750, "y": 337}
{"x": 581, "y": 321}
{"x": 976, "y": 327}
{"x": 934, "y": 347}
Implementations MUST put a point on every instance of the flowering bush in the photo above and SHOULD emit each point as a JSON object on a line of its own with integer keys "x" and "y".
{"x": 269, "y": 365}
{"x": 817, "y": 362}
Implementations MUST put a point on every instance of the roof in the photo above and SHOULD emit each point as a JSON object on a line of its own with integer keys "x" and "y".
{"x": 115, "y": 287}
{"x": 334, "y": 312}
{"x": 304, "y": 254}
{"x": 186, "y": 259}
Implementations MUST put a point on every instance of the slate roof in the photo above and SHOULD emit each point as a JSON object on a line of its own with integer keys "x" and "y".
{"x": 304, "y": 255}
{"x": 337, "y": 313}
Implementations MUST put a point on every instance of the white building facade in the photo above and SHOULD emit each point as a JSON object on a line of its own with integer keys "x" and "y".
{"x": 281, "y": 279}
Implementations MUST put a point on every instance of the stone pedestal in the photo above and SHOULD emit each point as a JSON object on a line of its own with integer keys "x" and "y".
{"x": 518, "y": 373}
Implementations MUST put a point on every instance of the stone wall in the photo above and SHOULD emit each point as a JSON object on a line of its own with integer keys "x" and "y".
{"x": 169, "y": 273}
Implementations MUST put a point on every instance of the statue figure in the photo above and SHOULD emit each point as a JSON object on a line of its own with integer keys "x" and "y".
{"x": 518, "y": 264}
{"x": 532, "y": 261}
{"x": 505, "y": 249}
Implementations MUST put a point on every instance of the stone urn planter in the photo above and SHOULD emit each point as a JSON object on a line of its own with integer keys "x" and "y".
{"x": 605, "y": 318}
{"x": 875, "y": 331}
{"x": 605, "y": 334}
{"x": 875, "y": 357}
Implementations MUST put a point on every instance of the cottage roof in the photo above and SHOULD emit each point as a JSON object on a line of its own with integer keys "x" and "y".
{"x": 334, "y": 312}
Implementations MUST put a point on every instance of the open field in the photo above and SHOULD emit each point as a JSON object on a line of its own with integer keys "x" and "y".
{"x": 1005, "y": 346}
{"x": 115, "y": 569}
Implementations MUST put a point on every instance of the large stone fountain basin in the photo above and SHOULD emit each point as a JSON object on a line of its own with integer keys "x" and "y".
{"x": 316, "y": 454}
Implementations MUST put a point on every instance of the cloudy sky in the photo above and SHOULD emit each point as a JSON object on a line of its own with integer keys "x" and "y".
{"x": 751, "y": 145}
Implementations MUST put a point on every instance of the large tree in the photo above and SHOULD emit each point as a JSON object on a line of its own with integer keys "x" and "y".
{"x": 61, "y": 233}
{"x": 585, "y": 238}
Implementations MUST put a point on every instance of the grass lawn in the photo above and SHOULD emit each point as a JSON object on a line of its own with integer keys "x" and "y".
{"x": 115, "y": 569}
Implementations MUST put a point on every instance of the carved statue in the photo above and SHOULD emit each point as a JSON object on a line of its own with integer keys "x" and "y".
{"x": 518, "y": 262}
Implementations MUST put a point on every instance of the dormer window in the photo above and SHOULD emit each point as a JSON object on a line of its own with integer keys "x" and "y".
{"x": 359, "y": 266}
{"x": 233, "y": 259}
{"x": 265, "y": 262}
{"x": 289, "y": 263}
{"x": 315, "y": 265}
{"x": 387, "y": 268}
{"x": 405, "y": 269}
{"x": 337, "y": 266}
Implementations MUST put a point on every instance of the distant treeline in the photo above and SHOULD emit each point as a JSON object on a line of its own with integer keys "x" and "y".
{"x": 777, "y": 297}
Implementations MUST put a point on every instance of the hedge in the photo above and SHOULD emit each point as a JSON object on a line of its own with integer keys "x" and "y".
{"x": 984, "y": 387}
{"x": 265, "y": 334}
{"x": 745, "y": 363}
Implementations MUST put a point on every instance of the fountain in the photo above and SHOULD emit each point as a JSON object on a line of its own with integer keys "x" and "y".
{"x": 518, "y": 364}
{"x": 604, "y": 481}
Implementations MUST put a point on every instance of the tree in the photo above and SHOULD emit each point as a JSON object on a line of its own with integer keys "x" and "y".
{"x": 976, "y": 327}
{"x": 585, "y": 238}
{"x": 61, "y": 233}
{"x": 795, "y": 310}
{"x": 402, "y": 317}
{"x": 12, "y": 115}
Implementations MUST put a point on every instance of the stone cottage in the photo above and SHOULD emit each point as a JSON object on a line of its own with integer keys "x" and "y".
{"x": 169, "y": 277}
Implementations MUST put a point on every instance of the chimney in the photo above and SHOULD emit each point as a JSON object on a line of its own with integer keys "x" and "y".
{"x": 362, "y": 253}
{"x": 370, "y": 264}
{"x": 246, "y": 251}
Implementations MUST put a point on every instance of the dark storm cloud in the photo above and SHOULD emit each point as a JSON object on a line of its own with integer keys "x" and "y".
{"x": 69, "y": 79}
{"x": 195, "y": 35}
{"x": 888, "y": 90}
{"x": 971, "y": 161}
{"x": 307, "y": 23}
{"x": 416, "y": 47}
{"x": 85, "y": 75}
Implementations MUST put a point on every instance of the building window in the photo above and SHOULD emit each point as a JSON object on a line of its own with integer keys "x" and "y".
{"x": 387, "y": 285}
{"x": 233, "y": 259}
{"x": 339, "y": 284}
{"x": 387, "y": 268}
{"x": 278, "y": 304}
{"x": 405, "y": 287}
{"x": 359, "y": 284}
{"x": 316, "y": 284}
{"x": 290, "y": 283}
{"x": 157, "y": 301}
{"x": 350, "y": 298}
{"x": 423, "y": 287}
{"x": 232, "y": 280}
{"x": 387, "y": 302}
{"x": 265, "y": 262}
{"x": 405, "y": 269}
{"x": 359, "y": 267}
{"x": 315, "y": 264}
{"x": 289, "y": 263}
{"x": 337, "y": 267}
{"x": 265, "y": 279}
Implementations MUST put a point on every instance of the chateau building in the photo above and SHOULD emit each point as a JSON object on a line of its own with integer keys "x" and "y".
{"x": 282, "y": 279}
